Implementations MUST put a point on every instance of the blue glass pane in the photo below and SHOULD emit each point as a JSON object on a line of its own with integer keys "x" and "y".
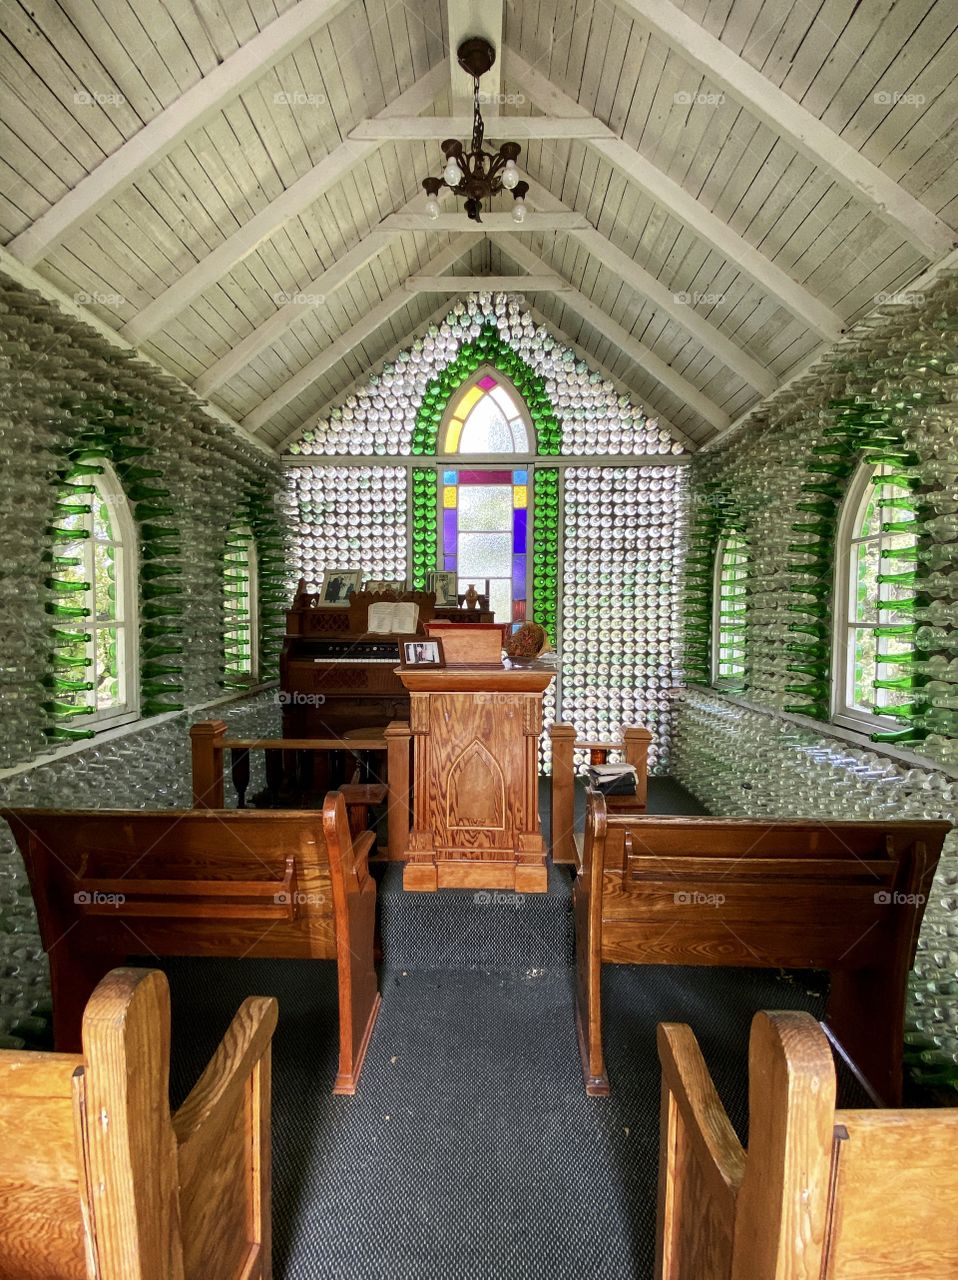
{"x": 520, "y": 477}
{"x": 519, "y": 530}
{"x": 449, "y": 477}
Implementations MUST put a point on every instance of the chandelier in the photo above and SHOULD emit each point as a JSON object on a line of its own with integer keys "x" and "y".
{"x": 477, "y": 174}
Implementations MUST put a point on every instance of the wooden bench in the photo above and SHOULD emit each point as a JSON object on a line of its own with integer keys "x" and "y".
{"x": 565, "y": 842}
{"x": 843, "y": 896}
{"x": 227, "y": 882}
{"x": 97, "y": 1179}
{"x": 292, "y": 759}
{"x": 821, "y": 1194}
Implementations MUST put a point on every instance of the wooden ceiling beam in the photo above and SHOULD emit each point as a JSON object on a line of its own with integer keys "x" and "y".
{"x": 826, "y": 149}
{"x": 299, "y": 382}
{"x": 660, "y": 188}
{"x": 504, "y": 129}
{"x": 184, "y": 116}
{"x": 637, "y": 351}
{"x": 647, "y": 286}
{"x": 293, "y": 201}
{"x": 503, "y": 222}
{"x": 549, "y": 283}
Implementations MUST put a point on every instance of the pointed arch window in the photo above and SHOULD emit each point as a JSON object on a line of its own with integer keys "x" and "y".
{"x": 94, "y": 681}
{"x": 874, "y": 587}
{"x": 240, "y": 591}
{"x": 484, "y": 509}
{"x": 728, "y": 617}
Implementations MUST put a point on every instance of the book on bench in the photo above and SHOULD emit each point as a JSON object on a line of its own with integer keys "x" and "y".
{"x": 614, "y": 779}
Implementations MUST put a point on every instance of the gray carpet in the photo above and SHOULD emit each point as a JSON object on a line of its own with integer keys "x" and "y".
{"x": 471, "y": 1150}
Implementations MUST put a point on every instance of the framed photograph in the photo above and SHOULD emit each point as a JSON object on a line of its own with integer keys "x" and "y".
{"x": 339, "y": 585}
{"x": 386, "y": 584}
{"x": 446, "y": 587}
{"x": 421, "y": 651}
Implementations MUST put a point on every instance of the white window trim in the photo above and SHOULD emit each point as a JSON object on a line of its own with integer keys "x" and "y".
{"x": 128, "y": 602}
{"x": 842, "y": 713}
{"x": 715, "y": 638}
{"x": 487, "y": 459}
{"x": 252, "y": 564}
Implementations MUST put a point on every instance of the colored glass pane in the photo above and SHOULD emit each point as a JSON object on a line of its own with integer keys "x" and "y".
{"x": 449, "y": 495}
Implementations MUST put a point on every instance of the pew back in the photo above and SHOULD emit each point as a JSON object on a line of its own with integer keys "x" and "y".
{"x": 42, "y": 1184}
{"x": 843, "y": 896}
{"x": 289, "y": 885}
{"x": 99, "y": 1180}
{"x": 565, "y": 842}
{"x": 841, "y": 1195}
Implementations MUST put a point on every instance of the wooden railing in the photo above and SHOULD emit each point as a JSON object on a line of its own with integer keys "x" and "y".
{"x": 635, "y": 751}
{"x": 290, "y": 770}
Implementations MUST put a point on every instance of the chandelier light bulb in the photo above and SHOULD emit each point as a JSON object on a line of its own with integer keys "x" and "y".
{"x": 510, "y": 175}
{"x": 432, "y": 207}
{"x": 519, "y": 211}
{"x": 452, "y": 174}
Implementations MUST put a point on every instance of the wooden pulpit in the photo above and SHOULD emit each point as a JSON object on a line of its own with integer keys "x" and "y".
{"x": 475, "y": 734}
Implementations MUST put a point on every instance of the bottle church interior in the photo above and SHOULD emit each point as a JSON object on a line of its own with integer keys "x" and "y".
{"x": 479, "y": 650}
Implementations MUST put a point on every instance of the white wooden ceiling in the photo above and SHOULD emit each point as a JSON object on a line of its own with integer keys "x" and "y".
{"x": 719, "y": 186}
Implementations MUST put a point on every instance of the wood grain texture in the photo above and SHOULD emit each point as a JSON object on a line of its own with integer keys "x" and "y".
{"x": 475, "y": 798}
{"x": 821, "y": 1194}
{"x": 843, "y": 896}
{"x": 108, "y": 884}
{"x": 99, "y": 1182}
{"x": 635, "y": 750}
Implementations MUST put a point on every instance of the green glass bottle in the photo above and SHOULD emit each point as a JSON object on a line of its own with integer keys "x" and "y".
{"x": 66, "y": 709}
{"x": 60, "y": 685}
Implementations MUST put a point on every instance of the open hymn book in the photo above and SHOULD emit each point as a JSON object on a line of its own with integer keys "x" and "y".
{"x": 393, "y": 617}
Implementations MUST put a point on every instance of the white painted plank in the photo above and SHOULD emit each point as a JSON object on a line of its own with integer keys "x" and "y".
{"x": 183, "y": 116}
{"x": 504, "y": 129}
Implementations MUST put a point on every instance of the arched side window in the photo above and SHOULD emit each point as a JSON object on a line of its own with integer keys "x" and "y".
{"x": 728, "y": 612}
{"x": 97, "y": 674}
{"x": 869, "y": 631}
{"x": 484, "y": 509}
{"x": 241, "y": 607}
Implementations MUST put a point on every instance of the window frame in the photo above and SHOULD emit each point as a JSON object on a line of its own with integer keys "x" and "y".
{"x": 715, "y": 647}
{"x": 252, "y": 565}
{"x": 111, "y": 494}
{"x": 842, "y": 710}
{"x": 486, "y": 370}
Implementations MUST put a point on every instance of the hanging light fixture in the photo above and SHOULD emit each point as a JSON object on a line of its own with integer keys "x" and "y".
{"x": 477, "y": 174}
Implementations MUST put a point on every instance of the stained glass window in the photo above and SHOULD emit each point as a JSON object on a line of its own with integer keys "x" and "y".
{"x": 95, "y": 582}
{"x": 487, "y": 419}
{"x": 881, "y": 564}
{"x": 728, "y": 627}
{"x": 484, "y": 527}
{"x": 240, "y": 606}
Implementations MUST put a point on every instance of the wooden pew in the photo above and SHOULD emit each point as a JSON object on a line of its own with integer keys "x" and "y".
{"x": 843, "y": 896}
{"x": 97, "y": 1179}
{"x": 821, "y": 1194}
{"x": 208, "y": 882}
{"x": 210, "y": 746}
{"x": 565, "y": 841}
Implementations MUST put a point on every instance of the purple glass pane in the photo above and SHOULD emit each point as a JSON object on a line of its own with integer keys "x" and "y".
{"x": 518, "y": 577}
{"x": 519, "y": 530}
{"x": 449, "y": 529}
{"x": 487, "y": 382}
{"x": 449, "y": 563}
{"x": 485, "y": 477}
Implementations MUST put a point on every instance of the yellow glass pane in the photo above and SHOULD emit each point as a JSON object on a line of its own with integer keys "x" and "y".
{"x": 453, "y": 432}
{"x": 449, "y": 495}
{"x": 520, "y": 495}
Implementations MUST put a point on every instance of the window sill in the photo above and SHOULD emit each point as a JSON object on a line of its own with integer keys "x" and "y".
{"x": 828, "y": 729}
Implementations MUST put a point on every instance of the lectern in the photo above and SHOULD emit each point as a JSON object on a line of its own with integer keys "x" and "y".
{"x": 475, "y": 737}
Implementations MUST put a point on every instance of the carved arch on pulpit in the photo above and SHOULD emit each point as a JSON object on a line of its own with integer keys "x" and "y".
{"x": 475, "y": 792}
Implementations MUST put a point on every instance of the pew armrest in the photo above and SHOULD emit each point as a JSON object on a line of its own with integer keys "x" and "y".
{"x": 219, "y": 1090}
{"x": 705, "y": 1122}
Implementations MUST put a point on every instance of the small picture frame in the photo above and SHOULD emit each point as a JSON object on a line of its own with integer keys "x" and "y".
{"x": 446, "y": 586}
{"x": 339, "y": 585}
{"x": 421, "y": 651}
{"x": 386, "y": 584}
